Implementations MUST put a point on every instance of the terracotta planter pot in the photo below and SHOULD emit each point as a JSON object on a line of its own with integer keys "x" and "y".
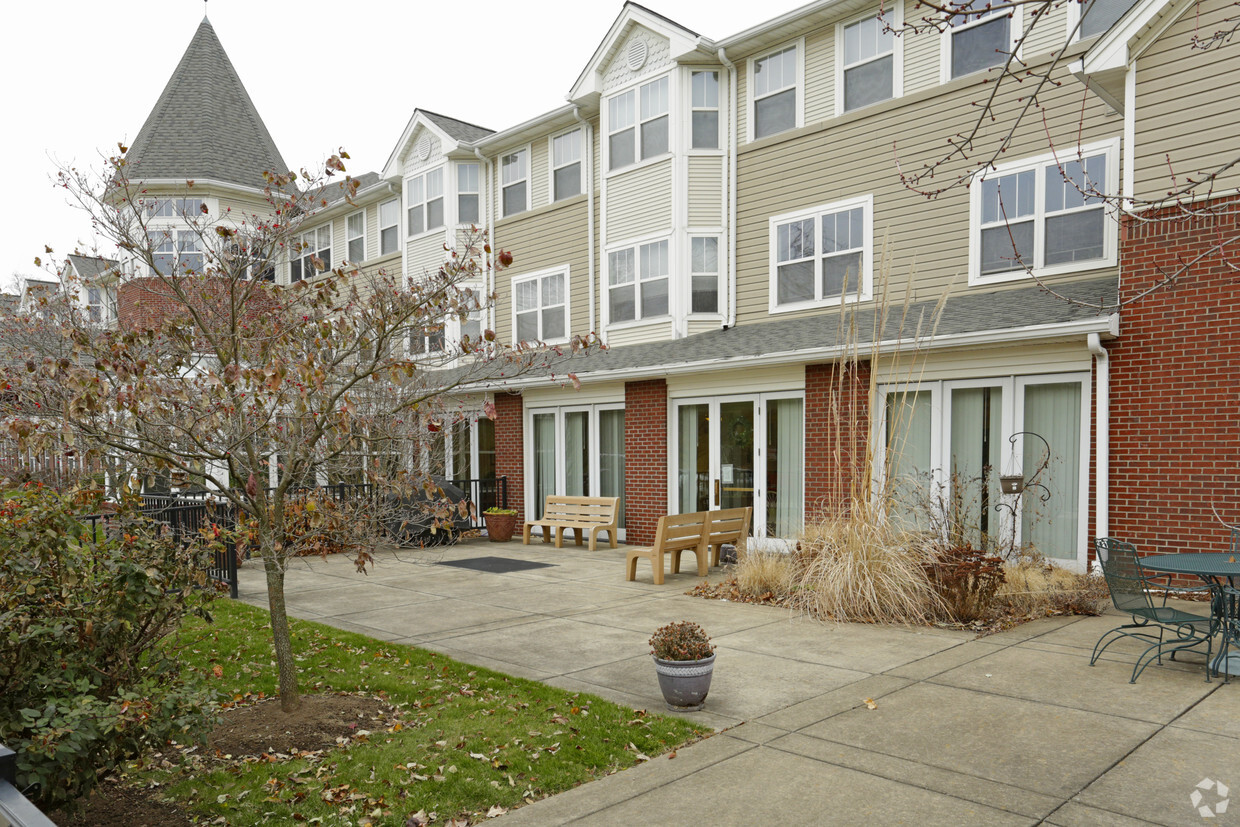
{"x": 500, "y": 526}
{"x": 684, "y": 683}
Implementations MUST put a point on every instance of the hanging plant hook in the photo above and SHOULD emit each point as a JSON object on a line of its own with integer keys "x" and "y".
{"x": 1018, "y": 484}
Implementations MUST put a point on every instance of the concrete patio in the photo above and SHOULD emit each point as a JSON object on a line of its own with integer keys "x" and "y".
{"x": 1014, "y": 728}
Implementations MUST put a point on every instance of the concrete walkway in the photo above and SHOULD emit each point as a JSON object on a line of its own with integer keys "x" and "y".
{"x": 1014, "y": 728}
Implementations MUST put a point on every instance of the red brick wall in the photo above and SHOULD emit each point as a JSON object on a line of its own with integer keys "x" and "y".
{"x": 645, "y": 459}
{"x": 1175, "y": 388}
{"x": 147, "y": 302}
{"x": 837, "y": 417}
{"x": 510, "y": 448}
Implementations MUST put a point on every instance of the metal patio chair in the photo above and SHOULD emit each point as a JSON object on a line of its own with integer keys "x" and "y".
{"x": 1130, "y": 592}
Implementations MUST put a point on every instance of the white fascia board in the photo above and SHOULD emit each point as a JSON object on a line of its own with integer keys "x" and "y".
{"x": 393, "y": 168}
{"x": 200, "y": 183}
{"x": 521, "y": 133}
{"x": 1108, "y": 326}
{"x": 774, "y": 23}
{"x": 681, "y": 39}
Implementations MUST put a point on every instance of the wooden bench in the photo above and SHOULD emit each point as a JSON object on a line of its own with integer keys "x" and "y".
{"x": 593, "y": 514}
{"x": 676, "y": 534}
{"x": 730, "y": 526}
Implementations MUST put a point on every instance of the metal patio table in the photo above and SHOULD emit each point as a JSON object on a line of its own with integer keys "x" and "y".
{"x": 1213, "y": 568}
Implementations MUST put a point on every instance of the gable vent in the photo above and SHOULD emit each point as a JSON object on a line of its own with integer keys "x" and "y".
{"x": 424, "y": 148}
{"x": 637, "y": 55}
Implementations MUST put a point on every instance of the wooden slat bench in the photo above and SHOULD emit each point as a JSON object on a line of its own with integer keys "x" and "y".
{"x": 593, "y": 514}
{"x": 676, "y": 534}
{"x": 730, "y": 526}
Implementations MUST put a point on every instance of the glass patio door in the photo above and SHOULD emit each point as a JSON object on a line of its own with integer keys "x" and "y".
{"x": 736, "y": 452}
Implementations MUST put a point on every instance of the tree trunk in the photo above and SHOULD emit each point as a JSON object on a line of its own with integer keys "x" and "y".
{"x": 290, "y": 696}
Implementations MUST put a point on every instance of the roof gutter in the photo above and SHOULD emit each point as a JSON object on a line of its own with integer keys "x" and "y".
{"x": 1102, "y": 435}
{"x": 1107, "y": 326}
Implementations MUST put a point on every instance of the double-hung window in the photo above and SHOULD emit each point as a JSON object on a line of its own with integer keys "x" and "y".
{"x": 638, "y": 282}
{"x": 637, "y": 124}
{"x": 424, "y": 195}
{"x": 515, "y": 179}
{"x": 822, "y": 255}
{"x": 704, "y": 274}
{"x": 190, "y": 208}
{"x": 94, "y": 304}
{"x": 1100, "y": 15}
{"x": 316, "y": 243}
{"x": 355, "y": 236}
{"x": 869, "y": 64}
{"x": 775, "y": 92}
{"x": 1044, "y": 215}
{"x": 704, "y": 104}
{"x": 979, "y": 40}
{"x": 540, "y": 307}
{"x": 424, "y": 341}
{"x": 467, "y": 194}
{"x": 389, "y": 226}
{"x": 566, "y": 165}
{"x": 163, "y": 251}
{"x": 175, "y": 251}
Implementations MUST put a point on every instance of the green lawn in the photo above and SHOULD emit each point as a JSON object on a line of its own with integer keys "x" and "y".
{"x": 473, "y": 739}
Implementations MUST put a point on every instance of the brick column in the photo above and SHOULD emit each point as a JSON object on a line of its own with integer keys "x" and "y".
{"x": 645, "y": 458}
{"x": 510, "y": 448}
{"x": 837, "y": 420}
{"x": 1175, "y": 385}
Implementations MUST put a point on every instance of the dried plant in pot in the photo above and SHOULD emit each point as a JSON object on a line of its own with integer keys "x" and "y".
{"x": 501, "y": 523}
{"x": 684, "y": 660}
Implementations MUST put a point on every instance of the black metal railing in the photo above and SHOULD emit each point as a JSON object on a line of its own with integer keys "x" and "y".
{"x": 491, "y": 492}
{"x": 15, "y": 809}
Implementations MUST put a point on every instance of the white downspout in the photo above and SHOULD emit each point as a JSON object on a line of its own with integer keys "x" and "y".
{"x": 587, "y": 152}
{"x": 1102, "y": 439}
{"x": 731, "y": 184}
{"x": 486, "y": 226}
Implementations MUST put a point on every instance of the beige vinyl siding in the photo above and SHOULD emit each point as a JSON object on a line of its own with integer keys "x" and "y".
{"x": 706, "y": 190}
{"x": 540, "y": 240}
{"x": 235, "y": 208}
{"x": 1050, "y": 33}
{"x": 922, "y": 60}
{"x": 639, "y": 202}
{"x": 540, "y": 165}
{"x": 695, "y": 326}
{"x": 658, "y": 330}
{"x": 425, "y": 254}
{"x": 721, "y": 382}
{"x": 742, "y": 100}
{"x": 994, "y": 360}
{"x": 927, "y": 239}
{"x": 819, "y": 88}
{"x": 1186, "y": 106}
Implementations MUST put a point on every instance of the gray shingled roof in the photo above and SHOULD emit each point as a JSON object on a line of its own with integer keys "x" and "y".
{"x": 333, "y": 191}
{"x": 969, "y": 313}
{"x": 90, "y": 266}
{"x": 204, "y": 124}
{"x": 459, "y": 130}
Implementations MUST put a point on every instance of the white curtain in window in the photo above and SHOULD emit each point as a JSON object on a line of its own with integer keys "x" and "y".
{"x": 977, "y": 443}
{"x": 688, "y": 458}
{"x": 786, "y": 450}
{"x": 576, "y": 454}
{"x": 910, "y": 481}
{"x": 611, "y": 458}
{"x": 1053, "y": 411}
{"x": 544, "y": 460}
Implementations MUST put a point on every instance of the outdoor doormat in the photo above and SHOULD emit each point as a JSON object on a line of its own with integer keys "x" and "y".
{"x": 495, "y": 565}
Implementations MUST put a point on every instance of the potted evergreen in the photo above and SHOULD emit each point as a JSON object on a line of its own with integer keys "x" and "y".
{"x": 684, "y": 660}
{"x": 501, "y": 523}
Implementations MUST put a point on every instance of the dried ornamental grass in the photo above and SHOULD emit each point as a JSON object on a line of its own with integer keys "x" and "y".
{"x": 760, "y": 573}
{"x": 860, "y": 567}
{"x": 1035, "y": 586}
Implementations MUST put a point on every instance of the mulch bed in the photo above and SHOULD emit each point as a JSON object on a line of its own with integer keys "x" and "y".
{"x": 730, "y": 591}
{"x": 322, "y": 722}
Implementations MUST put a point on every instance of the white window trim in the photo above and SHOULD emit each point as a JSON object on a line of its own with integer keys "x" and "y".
{"x": 399, "y": 223}
{"x": 568, "y": 302}
{"x": 1012, "y": 418}
{"x": 551, "y": 167}
{"x": 423, "y": 175}
{"x": 457, "y": 192}
{"x": 689, "y": 109}
{"x": 751, "y": 103}
{"x": 866, "y": 202}
{"x": 348, "y": 238}
{"x": 894, "y": 18}
{"x": 1015, "y": 30}
{"x": 1038, "y": 163}
{"x": 301, "y": 251}
{"x": 687, "y": 297}
{"x": 529, "y": 172}
{"x": 636, "y": 245}
{"x": 673, "y": 95}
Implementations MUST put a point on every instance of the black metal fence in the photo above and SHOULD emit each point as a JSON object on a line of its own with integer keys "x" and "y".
{"x": 483, "y": 493}
{"x": 15, "y": 809}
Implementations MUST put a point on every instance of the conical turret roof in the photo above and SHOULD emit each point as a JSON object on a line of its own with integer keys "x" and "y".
{"x": 204, "y": 125}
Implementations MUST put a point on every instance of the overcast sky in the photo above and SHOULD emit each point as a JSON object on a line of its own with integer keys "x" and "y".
{"x": 81, "y": 75}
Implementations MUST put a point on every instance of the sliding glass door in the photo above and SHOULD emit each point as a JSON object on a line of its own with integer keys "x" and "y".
{"x": 575, "y": 451}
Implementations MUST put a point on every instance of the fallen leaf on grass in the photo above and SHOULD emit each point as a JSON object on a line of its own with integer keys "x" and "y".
{"x": 496, "y": 811}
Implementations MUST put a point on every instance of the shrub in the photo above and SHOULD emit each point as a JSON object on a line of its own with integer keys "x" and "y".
{"x": 84, "y": 683}
{"x": 967, "y": 580}
{"x": 682, "y": 640}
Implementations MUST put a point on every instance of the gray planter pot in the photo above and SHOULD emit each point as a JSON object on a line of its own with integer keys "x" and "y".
{"x": 684, "y": 682}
